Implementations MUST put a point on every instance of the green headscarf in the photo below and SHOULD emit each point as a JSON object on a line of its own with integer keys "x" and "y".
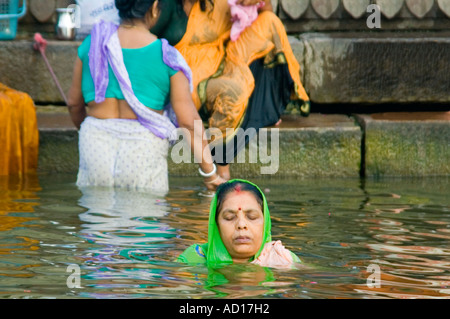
{"x": 214, "y": 251}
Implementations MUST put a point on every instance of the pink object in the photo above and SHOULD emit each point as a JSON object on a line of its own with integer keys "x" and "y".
{"x": 242, "y": 17}
{"x": 40, "y": 44}
{"x": 274, "y": 255}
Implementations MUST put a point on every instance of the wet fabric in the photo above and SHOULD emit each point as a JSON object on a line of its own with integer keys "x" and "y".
{"x": 214, "y": 253}
{"x": 223, "y": 79}
{"x": 265, "y": 107}
{"x": 121, "y": 153}
{"x": 19, "y": 135}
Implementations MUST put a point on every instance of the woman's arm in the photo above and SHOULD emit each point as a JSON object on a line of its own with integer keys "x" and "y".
{"x": 75, "y": 101}
{"x": 189, "y": 119}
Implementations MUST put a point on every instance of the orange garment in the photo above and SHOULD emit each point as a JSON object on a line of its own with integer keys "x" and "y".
{"x": 220, "y": 67}
{"x": 19, "y": 135}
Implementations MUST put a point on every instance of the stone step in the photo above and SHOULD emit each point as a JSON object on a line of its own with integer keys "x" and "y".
{"x": 406, "y": 144}
{"x": 375, "y": 68}
{"x": 321, "y": 145}
{"x": 318, "y": 145}
{"x": 336, "y": 67}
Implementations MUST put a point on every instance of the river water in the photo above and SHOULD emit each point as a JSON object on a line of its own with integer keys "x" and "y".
{"x": 384, "y": 238}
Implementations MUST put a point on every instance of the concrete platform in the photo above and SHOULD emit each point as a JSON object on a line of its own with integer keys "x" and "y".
{"x": 406, "y": 144}
{"x": 319, "y": 145}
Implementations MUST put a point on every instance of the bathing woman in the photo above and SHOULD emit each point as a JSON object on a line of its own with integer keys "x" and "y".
{"x": 127, "y": 77}
{"x": 239, "y": 231}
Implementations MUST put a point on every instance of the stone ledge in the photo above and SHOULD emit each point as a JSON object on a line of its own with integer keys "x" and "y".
{"x": 332, "y": 145}
{"x": 24, "y": 69}
{"x": 319, "y": 145}
{"x": 406, "y": 144}
{"x": 375, "y": 68}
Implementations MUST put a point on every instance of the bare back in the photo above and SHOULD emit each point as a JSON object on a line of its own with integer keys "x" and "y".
{"x": 130, "y": 38}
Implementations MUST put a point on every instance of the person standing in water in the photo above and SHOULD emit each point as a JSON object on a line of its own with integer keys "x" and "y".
{"x": 137, "y": 91}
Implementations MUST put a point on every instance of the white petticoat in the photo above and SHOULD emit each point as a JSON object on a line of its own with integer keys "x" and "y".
{"x": 121, "y": 153}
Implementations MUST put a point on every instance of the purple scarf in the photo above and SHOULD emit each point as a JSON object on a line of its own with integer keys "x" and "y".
{"x": 105, "y": 47}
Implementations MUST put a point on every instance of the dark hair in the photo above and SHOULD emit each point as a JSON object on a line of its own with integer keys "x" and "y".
{"x": 224, "y": 189}
{"x": 133, "y": 9}
{"x": 202, "y": 4}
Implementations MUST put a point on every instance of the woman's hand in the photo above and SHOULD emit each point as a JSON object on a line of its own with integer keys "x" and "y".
{"x": 213, "y": 182}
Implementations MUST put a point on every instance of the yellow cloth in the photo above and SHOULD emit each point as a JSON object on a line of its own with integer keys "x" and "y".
{"x": 19, "y": 135}
{"x": 220, "y": 67}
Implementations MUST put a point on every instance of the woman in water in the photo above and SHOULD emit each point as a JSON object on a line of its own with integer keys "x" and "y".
{"x": 239, "y": 231}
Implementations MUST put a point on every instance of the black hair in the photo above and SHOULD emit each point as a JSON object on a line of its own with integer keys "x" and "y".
{"x": 133, "y": 9}
{"x": 224, "y": 189}
{"x": 202, "y": 4}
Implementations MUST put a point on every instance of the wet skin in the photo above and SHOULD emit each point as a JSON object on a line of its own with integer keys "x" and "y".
{"x": 241, "y": 224}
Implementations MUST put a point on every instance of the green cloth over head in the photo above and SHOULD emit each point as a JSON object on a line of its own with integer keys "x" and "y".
{"x": 214, "y": 252}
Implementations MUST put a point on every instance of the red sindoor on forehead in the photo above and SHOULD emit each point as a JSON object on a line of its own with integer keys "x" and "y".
{"x": 238, "y": 188}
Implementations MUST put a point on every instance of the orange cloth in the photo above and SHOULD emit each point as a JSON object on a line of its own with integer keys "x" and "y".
{"x": 19, "y": 135}
{"x": 220, "y": 67}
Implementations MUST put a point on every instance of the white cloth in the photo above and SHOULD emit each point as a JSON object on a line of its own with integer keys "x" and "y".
{"x": 121, "y": 153}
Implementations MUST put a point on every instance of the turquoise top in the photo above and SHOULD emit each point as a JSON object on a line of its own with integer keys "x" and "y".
{"x": 149, "y": 75}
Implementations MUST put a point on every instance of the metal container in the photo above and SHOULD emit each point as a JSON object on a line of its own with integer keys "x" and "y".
{"x": 66, "y": 24}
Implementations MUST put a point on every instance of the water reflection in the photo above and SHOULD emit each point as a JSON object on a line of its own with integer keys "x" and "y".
{"x": 126, "y": 241}
{"x": 409, "y": 241}
{"x": 18, "y": 200}
{"x": 119, "y": 217}
{"x": 126, "y": 234}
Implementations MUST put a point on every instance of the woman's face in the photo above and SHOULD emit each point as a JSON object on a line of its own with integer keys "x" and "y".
{"x": 241, "y": 225}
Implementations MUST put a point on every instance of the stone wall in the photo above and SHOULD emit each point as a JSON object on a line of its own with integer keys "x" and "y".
{"x": 351, "y": 15}
{"x": 406, "y": 60}
{"x": 309, "y": 15}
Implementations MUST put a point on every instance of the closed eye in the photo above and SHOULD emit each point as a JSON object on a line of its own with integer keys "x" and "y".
{"x": 252, "y": 215}
{"x": 228, "y": 216}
